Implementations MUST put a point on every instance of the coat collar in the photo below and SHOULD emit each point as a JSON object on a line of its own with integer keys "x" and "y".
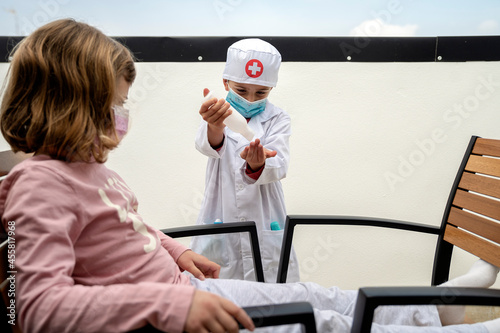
{"x": 257, "y": 125}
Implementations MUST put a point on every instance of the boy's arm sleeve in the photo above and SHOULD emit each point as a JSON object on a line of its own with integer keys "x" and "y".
{"x": 48, "y": 299}
{"x": 202, "y": 144}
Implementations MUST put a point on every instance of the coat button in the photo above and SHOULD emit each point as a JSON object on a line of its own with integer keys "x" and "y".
{"x": 242, "y": 219}
{"x": 240, "y": 187}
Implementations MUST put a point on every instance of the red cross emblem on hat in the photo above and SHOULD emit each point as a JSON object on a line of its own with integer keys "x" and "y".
{"x": 254, "y": 68}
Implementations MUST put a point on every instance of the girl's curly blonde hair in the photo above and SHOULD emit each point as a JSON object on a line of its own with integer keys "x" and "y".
{"x": 60, "y": 89}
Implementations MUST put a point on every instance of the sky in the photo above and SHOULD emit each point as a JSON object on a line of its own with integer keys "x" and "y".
{"x": 421, "y": 18}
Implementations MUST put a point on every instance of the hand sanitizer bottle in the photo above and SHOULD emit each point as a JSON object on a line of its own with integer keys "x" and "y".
{"x": 236, "y": 122}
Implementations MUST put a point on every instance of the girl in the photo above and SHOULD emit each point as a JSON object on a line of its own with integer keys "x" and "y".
{"x": 81, "y": 246}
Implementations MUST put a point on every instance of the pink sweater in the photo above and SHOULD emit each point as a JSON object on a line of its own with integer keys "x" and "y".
{"x": 85, "y": 260}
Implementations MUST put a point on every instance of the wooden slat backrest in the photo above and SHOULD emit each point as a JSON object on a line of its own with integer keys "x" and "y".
{"x": 474, "y": 219}
{"x": 489, "y": 147}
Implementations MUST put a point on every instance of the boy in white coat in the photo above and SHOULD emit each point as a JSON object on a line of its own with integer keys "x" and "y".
{"x": 242, "y": 177}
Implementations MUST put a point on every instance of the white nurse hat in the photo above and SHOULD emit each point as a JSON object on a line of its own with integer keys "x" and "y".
{"x": 252, "y": 61}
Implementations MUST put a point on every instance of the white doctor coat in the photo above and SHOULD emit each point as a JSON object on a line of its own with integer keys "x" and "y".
{"x": 231, "y": 196}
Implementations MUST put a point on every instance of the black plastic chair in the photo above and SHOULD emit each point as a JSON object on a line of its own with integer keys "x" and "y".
{"x": 264, "y": 315}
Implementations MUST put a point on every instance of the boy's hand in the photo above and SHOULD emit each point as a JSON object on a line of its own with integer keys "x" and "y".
{"x": 255, "y": 155}
{"x": 214, "y": 112}
{"x": 198, "y": 265}
{"x": 212, "y": 313}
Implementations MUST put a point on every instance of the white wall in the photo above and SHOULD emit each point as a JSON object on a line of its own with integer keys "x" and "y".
{"x": 369, "y": 139}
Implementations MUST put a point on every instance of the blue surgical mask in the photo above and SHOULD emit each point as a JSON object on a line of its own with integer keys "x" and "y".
{"x": 246, "y": 108}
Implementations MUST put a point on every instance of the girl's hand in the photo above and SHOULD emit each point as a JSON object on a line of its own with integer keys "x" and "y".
{"x": 255, "y": 155}
{"x": 212, "y": 313}
{"x": 198, "y": 265}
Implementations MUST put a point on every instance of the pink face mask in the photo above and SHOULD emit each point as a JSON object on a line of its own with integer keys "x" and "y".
{"x": 121, "y": 120}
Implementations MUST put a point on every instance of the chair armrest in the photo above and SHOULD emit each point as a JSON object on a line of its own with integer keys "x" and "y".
{"x": 370, "y": 298}
{"x": 283, "y": 314}
{"x": 224, "y": 228}
{"x": 270, "y": 315}
{"x": 293, "y": 220}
